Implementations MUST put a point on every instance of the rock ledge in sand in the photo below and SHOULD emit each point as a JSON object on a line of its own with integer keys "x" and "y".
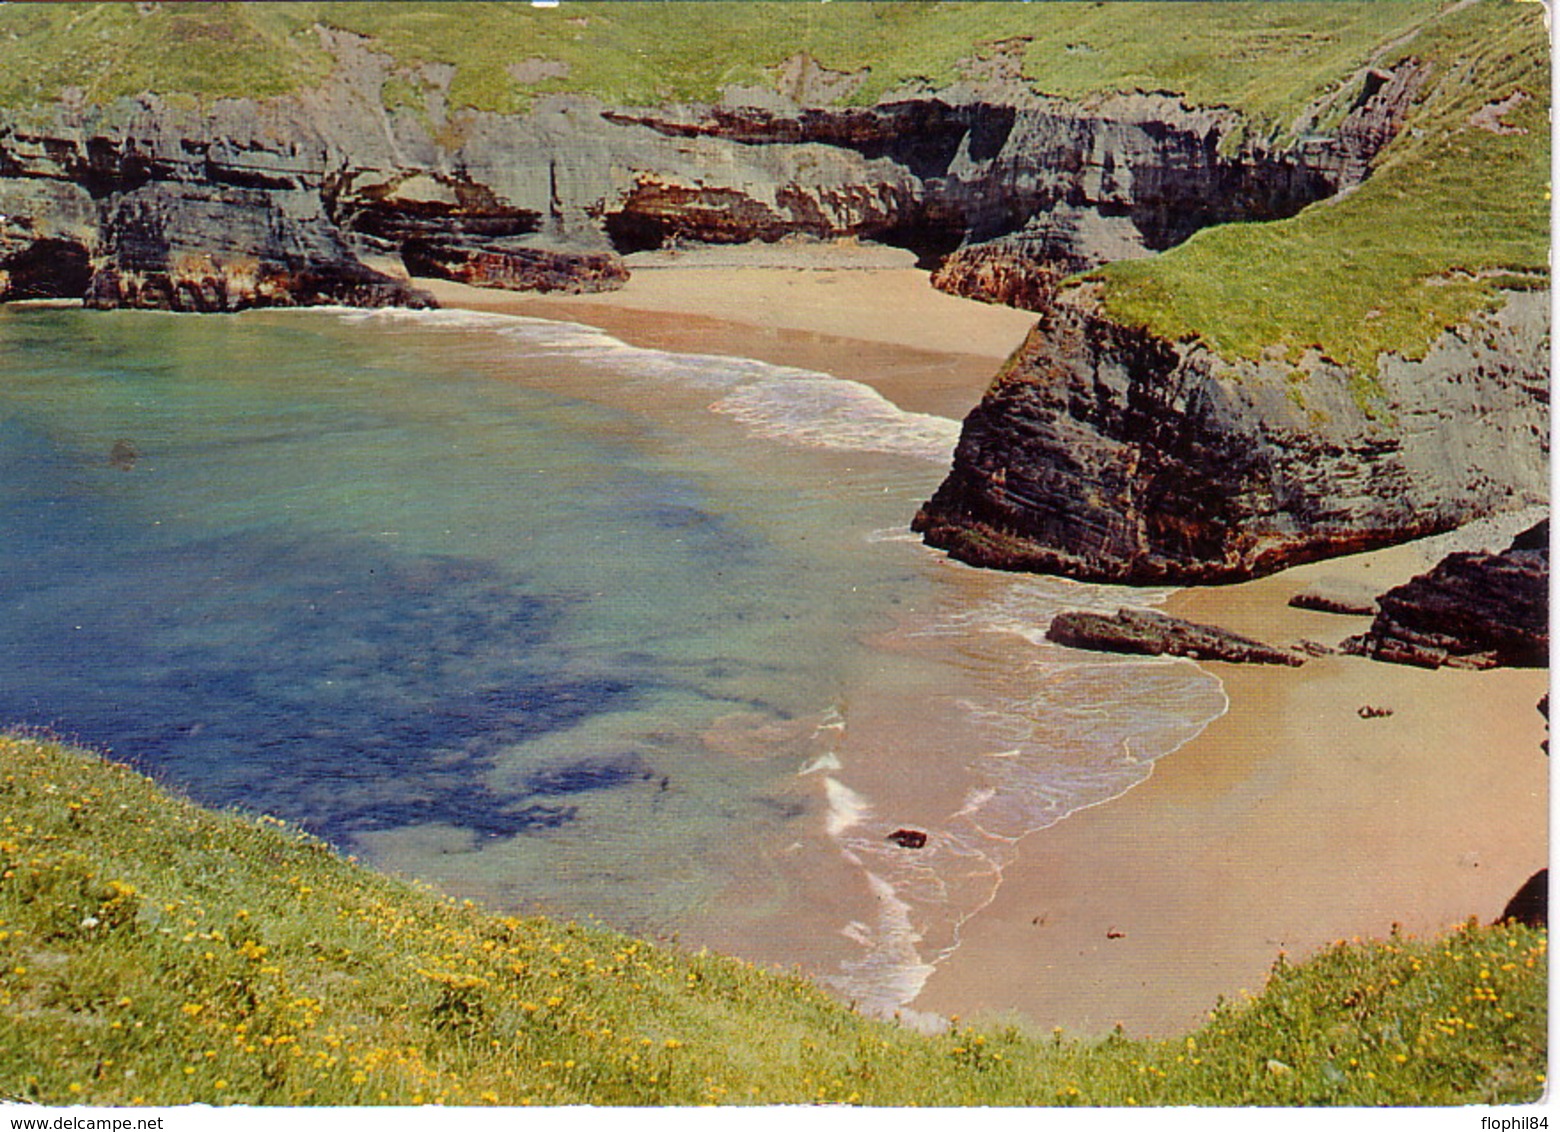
{"x": 1347, "y": 599}
{"x": 1470, "y": 611}
{"x": 1154, "y": 634}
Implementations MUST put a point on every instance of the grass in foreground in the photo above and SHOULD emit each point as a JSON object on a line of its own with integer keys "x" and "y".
{"x": 155, "y": 952}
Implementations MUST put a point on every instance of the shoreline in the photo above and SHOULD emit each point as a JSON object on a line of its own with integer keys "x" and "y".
{"x": 1286, "y": 823}
{"x": 866, "y": 316}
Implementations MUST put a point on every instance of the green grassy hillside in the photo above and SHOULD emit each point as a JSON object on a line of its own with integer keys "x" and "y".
{"x": 1268, "y": 59}
{"x": 1457, "y": 208}
{"x": 152, "y": 952}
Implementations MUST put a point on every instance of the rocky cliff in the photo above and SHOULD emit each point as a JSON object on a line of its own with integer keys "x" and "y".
{"x": 1264, "y": 395}
{"x": 1107, "y": 453}
{"x": 241, "y": 202}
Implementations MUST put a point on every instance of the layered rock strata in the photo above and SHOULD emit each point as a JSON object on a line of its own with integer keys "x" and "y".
{"x": 1147, "y": 173}
{"x": 1349, "y": 600}
{"x": 1472, "y": 610}
{"x": 150, "y": 202}
{"x": 1106, "y": 453}
{"x": 139, "y": 205}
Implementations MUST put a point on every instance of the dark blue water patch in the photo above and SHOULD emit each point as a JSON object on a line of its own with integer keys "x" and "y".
{"x": 493, "y": 818}
{"x": 589, "y": 774}
{"x": 675, "y": 517}
{"x": 199, "y": 570}
{"x": 671, "y": 506}
{"x": 326, "y": 680}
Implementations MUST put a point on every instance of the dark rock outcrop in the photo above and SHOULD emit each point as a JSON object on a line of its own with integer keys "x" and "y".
{"x": 1472, "y": 610}
{"x": 144, "y": 205}
{"x": 1154, "y": 634}
{"x": 1023, "y": 269}
{"x": 516, "y": 266}
{"x": 1020, "y": 189}
{"x": 1530, "y": 905}
{"x": 1105, "y": 453}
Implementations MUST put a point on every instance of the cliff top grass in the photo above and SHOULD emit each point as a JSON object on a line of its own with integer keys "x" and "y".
{"x": 154, "y": 952}
{"x": 1456, "y": 210}
{"x": 1268, "y": 59}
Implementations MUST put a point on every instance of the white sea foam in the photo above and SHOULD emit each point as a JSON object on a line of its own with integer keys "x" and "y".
{"x": 832, "y": 720}
{"x": 846, "y": 807}
{"x": 892, "y": 972}
{"x": 894, "y": 534}
{"x": 822, "y": 411}
{"x": 1024, "y": 607}
{"x": 784, "y": 403}
{"x": 826, "y": 761}
{"x": 1069, "y": 730}
{"x": 974, "y": 799}
{"x": 857, "y": 932}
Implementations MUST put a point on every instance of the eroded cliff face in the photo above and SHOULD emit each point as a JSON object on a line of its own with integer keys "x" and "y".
{"x": 241, "y": 203}
{"x": 1106, "y": 453}
{"x": 141, "y": 204}
{"x": 1138, "y": 174}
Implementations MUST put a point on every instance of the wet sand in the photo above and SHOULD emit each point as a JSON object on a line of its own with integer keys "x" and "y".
{"x": 856, "y": 312}
{"x": 1289, "y": 823}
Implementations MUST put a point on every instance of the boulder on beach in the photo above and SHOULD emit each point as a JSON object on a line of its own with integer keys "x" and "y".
{"x": 1530, "y": 905}
{"x": 1154, "y": 634}
{"x": 1472, "y": 610}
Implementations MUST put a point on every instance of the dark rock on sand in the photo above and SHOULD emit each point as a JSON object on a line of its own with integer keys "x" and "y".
{"x": 516, "y": 265}
{"x": 1314, "y": 648}
{"x": 908, "y": 838}
{"x": 1154, "y": 634}
{"x": 1530, "y": 905}
{"x": 1473, "y": 610}
{"x": 123, "y": 455}
{"x": 1345, "y": 598}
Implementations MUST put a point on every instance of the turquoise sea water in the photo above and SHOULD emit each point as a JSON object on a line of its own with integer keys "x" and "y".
{"x": 551, "y": 621}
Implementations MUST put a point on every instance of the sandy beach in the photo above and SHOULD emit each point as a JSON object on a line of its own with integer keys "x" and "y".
{"x": 854, "y": 311}
{"x": 1288, "y": 823}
